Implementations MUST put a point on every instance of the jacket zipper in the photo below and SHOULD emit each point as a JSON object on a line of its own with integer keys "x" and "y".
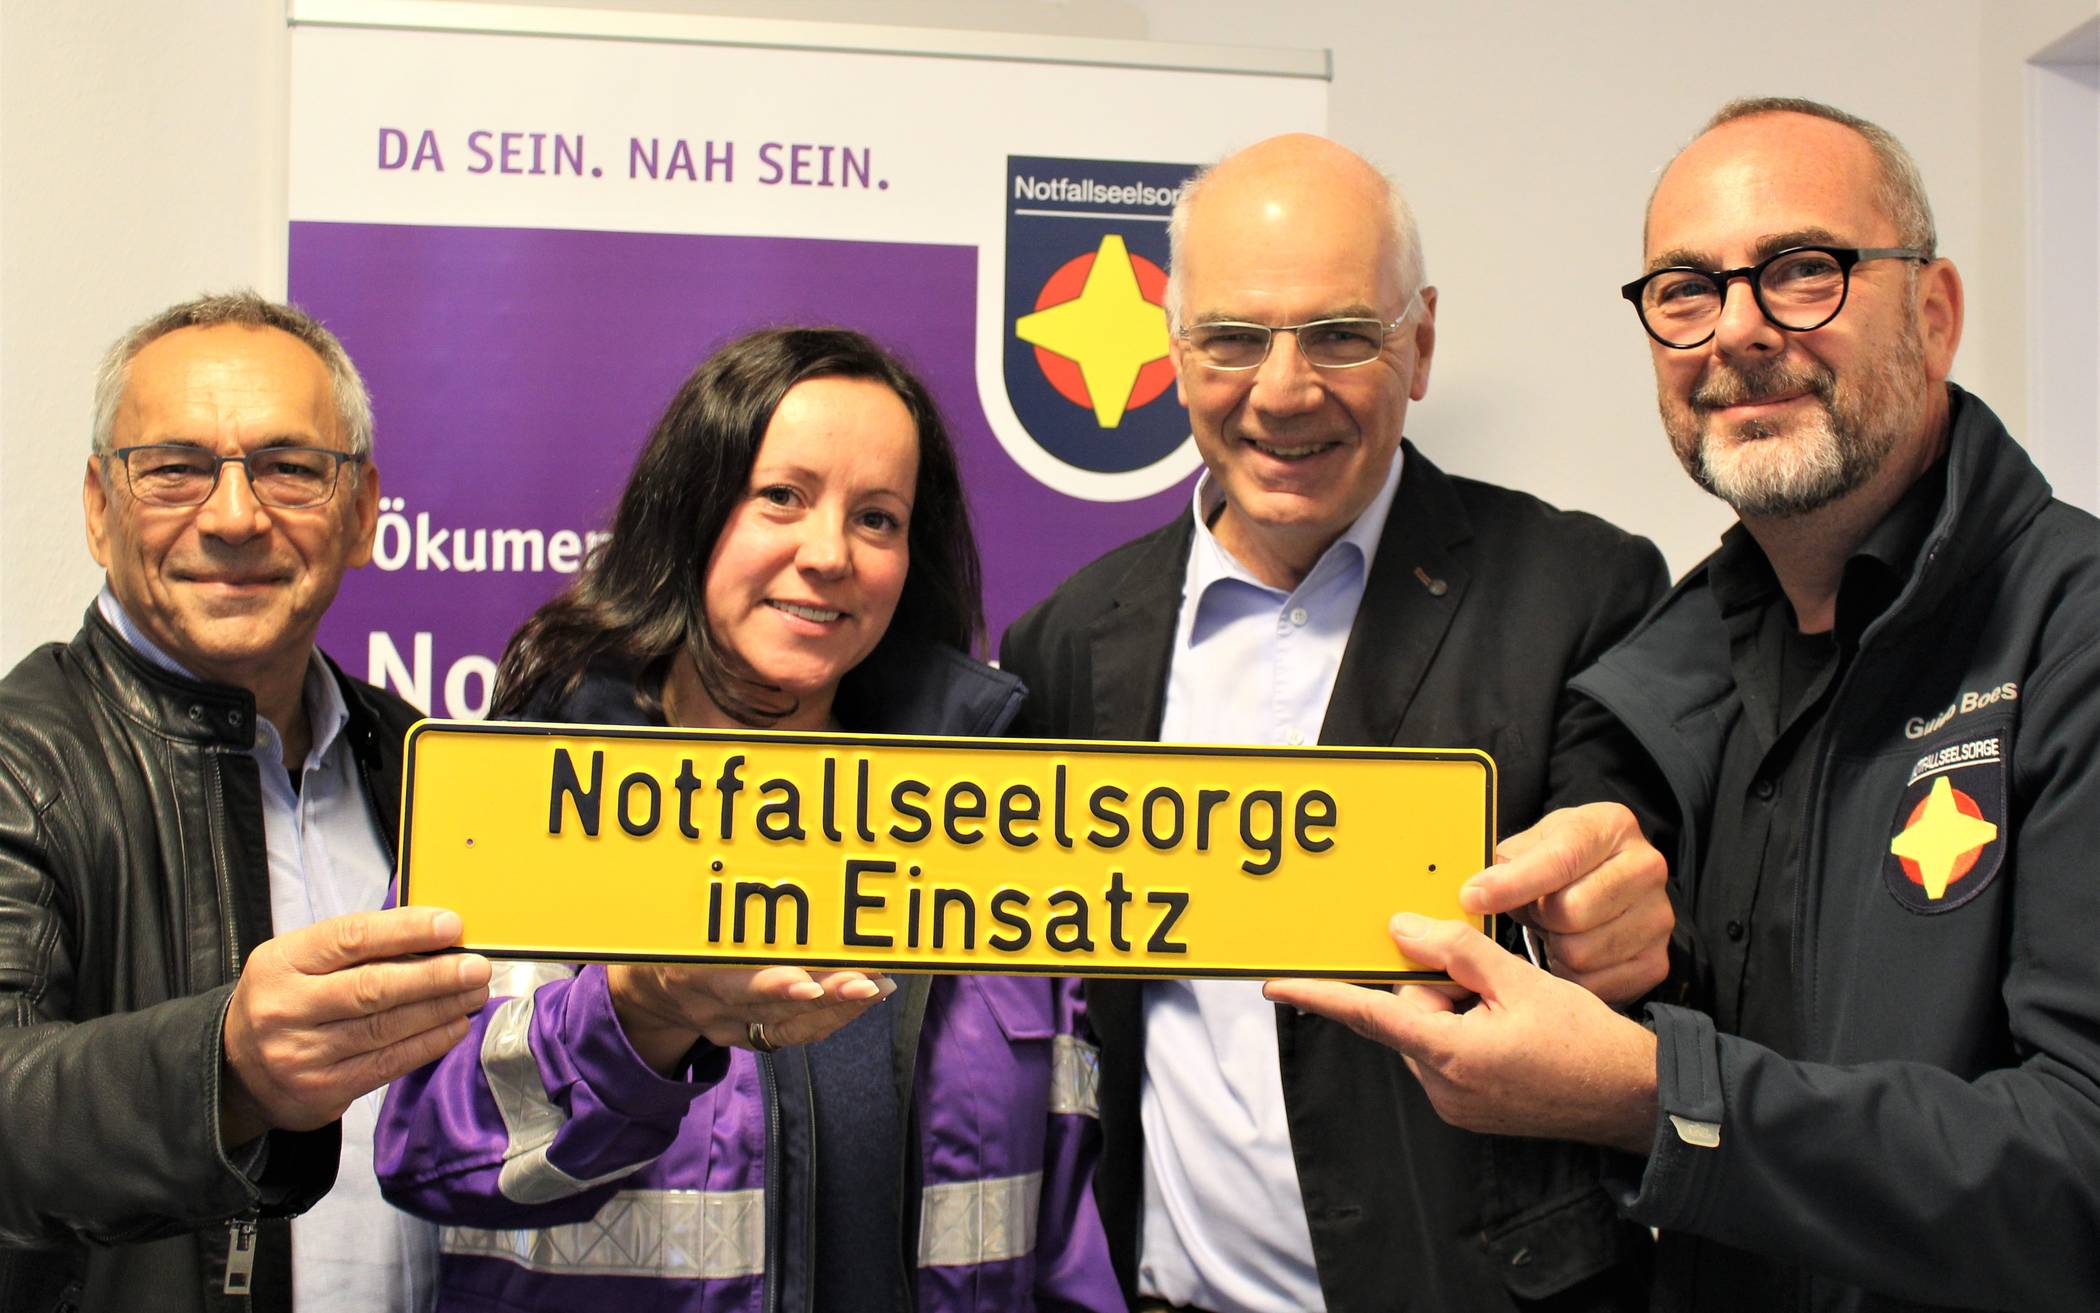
{"x": 241, "y": 1237}
{"x": 769, "y": 1089}
{"x": 1812, "y": 838}
{"x": 241, "y": 1229}
{"x": 240, "y": 1255}
{"x": 389, "y": 838}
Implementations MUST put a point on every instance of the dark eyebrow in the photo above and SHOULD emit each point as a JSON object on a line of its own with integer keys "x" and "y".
{"x": 764, "y": 476}
{"x": 1682, "y": 257}
{"x": 1778, "y": 242}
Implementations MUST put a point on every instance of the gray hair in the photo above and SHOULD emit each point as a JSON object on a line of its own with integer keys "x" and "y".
{"x": 1409, "y": 269}
{"x": 353, "y": 405}
{"x": 1900, "y": 190}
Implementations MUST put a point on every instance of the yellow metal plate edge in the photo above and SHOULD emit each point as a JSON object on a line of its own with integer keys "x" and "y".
{"x": 562, "y": 729}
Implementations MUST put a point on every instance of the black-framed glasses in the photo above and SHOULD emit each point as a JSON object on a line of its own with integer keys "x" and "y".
{"x": 1325, "y": 343}
{"x": 1799, "y": 289}
{"x": 285, "y": 478}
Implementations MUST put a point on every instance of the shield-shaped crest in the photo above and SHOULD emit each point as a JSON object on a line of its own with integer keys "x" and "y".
{"x": 1948, "y": 839}
{"x": 1085, "y": 351}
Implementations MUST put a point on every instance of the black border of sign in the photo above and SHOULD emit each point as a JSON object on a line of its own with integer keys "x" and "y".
{"x": 543, "y": 729}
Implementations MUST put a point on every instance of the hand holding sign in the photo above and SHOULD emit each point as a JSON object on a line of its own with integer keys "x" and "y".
{"x": 666, "y": 1008}
{"x": 1534, "y": 1055}
{"x": 336, "y": 1009}
{"x": 1598, "y": 890}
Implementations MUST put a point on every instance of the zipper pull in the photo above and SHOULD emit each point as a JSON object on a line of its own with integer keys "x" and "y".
{"x": 240, "y": 1256}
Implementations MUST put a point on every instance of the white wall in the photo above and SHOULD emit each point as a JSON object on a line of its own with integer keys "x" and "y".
{"x": 142, "y": 160}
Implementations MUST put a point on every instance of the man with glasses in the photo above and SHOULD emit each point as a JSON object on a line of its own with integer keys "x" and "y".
{"x": 1877, "y": 705}
{"x": 185, "y": 779}
{"x": 1329, "y": 584}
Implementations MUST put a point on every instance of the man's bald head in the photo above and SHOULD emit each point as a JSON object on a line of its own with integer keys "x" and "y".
{"x": 1899, "y": 188}
{"x": 1280, "y": 175}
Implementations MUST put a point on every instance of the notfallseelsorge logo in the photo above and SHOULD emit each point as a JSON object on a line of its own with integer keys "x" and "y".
{"x": 1947, "y": 842}
{"x": 1085, "y": 356}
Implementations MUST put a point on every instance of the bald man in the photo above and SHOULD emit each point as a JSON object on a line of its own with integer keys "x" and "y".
{"x": 1329, "y": 584}
{"x": 1877, "y": 703}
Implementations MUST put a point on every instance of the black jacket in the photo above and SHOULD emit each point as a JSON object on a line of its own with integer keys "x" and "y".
{"x": 1479, "y": 605}
{"x": 1936, "y": 1137}
{"x": 133, "y": 885}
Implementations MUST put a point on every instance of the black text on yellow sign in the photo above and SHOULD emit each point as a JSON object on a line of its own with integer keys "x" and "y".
{"x": 938, "y": 854}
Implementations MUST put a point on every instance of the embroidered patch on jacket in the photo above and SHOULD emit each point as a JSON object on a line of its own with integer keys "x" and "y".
{"x": 1948, "y": 840}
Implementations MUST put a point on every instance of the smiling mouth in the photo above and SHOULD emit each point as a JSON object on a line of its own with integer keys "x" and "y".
{"x": 1756, "y": 403}
{"x": 230, "y": 581}
{"x": 1300, "y": 451}
{"x": 817, "y": 614}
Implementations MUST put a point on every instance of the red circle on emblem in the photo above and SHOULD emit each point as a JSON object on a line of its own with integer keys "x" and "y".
{"x": 1063, "y": 374}
{"x": 1962, "y": 864}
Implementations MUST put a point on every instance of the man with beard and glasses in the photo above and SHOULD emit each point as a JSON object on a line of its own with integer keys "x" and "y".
{"x": 1876, "y": 704}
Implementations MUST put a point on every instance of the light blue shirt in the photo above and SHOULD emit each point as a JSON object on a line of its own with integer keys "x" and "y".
{"x": 1225, "y": 1221}
{"x": 353, "y": 1251}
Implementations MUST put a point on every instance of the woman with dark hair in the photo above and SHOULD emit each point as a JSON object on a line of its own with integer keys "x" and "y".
{"x": 792, "y": 551}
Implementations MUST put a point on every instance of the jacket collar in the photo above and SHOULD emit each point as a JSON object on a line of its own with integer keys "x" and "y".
{"x": 1417, "y": 578}
{"x": 912, "y": 687}
{"x": 1993, "y": 492}
{"x": 193, "y": 710}
{"x": 167, "y": 702}
{"x": 1132, "y": 641}
{"x": 904, "y": 687}
{"x": 1665, "y": 677}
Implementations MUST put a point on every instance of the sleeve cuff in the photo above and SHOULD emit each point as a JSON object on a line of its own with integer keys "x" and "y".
{"x": 1689, "y": 1118}
{"x": 623, "y": 1082}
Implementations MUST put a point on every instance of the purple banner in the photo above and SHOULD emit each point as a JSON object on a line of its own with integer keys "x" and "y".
{"x": 515, "y": 374}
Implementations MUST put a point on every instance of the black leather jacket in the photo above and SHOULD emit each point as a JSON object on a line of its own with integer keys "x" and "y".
{"x": 133, "y": 885}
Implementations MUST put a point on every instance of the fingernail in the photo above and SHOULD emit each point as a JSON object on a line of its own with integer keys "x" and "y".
{"x": 886, "y": 985}
{"x": 806, "y": 991}
{"x": 1406, "y": 925}
{"x": 447, "y": 926}
{"x": 474, "y": 971}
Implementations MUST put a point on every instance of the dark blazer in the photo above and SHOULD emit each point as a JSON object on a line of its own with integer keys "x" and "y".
{"x": 1480, "y": 605}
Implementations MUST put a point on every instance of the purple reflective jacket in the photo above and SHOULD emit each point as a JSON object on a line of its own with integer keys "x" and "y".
{"x": 567, "y": 1173}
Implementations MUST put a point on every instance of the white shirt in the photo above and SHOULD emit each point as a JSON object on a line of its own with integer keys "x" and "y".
{"x": 352, "y": 1252}
{"x": 1225, "y": 1221}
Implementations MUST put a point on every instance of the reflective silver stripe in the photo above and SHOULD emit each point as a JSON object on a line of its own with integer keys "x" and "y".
{"x": 1075, "y": 1077}
{"x": 967, "y": 1222}
{"x": 697, "y": 1235}
{"x": 515, "y": 979}
{"x": 530, "y": 1119}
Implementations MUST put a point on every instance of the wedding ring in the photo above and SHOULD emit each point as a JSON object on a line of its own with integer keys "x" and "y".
{"x": 755, "y": 1031}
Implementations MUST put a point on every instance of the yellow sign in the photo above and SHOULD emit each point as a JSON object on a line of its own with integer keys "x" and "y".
{"x": 938, "y": 854}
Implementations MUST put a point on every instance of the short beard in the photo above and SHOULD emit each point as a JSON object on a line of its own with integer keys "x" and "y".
{"x": 1768, "y": 473}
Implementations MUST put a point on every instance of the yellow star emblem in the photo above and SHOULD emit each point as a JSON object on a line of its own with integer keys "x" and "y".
{"x": 1939, "y": 836}
{"x": 1109, "y": 330}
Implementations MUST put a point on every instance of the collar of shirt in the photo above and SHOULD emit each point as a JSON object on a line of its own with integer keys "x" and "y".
{"x": 1886, "y": 561}
{"x": 1875, "y": 573}
{"x": 326, "y": 712}
{"x": 1213, "y": 573}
